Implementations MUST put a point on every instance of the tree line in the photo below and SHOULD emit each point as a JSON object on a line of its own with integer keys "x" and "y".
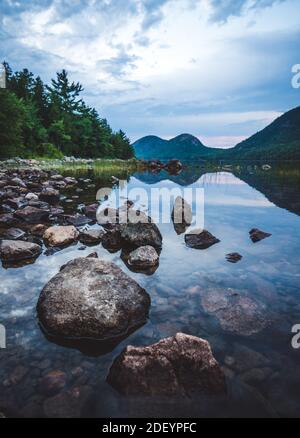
{"x": 38, "y": 120}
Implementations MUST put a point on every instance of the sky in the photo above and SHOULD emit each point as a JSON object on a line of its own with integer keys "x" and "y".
{"x": 217, "y": 69}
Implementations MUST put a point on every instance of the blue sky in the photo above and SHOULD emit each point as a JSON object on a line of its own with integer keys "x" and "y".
{"x": 218, "y": 69}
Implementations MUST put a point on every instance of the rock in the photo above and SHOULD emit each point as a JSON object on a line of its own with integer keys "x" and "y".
{"x": 236, "y": 312}
{"x": 180, "y": 365}
{"x": 32, "y": 214}
{"x": 111, "y": 240}
{"x": 31, "y": 197}
{"x": 256, "y": 235}
{"x": 200, "y": 239}
{"x": 141, "y": 234}
{"x": 18, "y": 374}
{"x": 15, "y": 250}
{"x": 56, "y": 177}
{"x": 78, "y": 220}
{"x": 16, "y": 203}
{"x": 67, "y": 404}
{"x": 53, "y": 382}
{"x": 91, "y": 237}
{"x": 60, "y": 235}
{"x": 13, "y": 234}
{"x": 92, "y": 298}
{"x": 143, "y": 257}
{"x": 17, "y": 182}
{"x": 50, "y": 195}
{"x": 91, "y": 210}
{"x": 181, "y": 215}
{"x": 38, "y": 230}
{"x": 7, "y": 220}
{"x": 71, "y": 181}
{"x": 233, "y": 257}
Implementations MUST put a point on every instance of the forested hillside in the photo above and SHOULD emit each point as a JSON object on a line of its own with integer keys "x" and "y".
{"x": 38, "y": 120}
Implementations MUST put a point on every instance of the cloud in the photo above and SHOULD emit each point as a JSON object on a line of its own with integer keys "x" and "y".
{"x": 222, "y": 10}
{"x": 164, "y": 66}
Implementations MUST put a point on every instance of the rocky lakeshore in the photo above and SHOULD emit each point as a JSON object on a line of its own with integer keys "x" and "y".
{"x": 100, "y": 299}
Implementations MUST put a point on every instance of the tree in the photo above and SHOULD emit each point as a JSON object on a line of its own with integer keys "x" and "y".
{"x": 11, "y": 122}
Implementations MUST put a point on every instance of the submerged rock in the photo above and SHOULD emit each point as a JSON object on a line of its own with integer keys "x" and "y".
{"x": 234, "y": 257}
{"x": 143, "y": 257}
{"x": 200, "y": 239}
{"x": 256, "y": 235}
{"x": 236, "y": 312}
{"x": 68, "y": 403}
{"x": 92, "y": 298}
{"x": 180, "y": 365}
{"x": 141, "y": 234}
{"x": 60, "y": 235}
{"x": 15, "y": 250}
{"x": 53, "y": 382}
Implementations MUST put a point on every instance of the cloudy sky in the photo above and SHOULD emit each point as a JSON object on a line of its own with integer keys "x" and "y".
{"x": 218, "y": 69}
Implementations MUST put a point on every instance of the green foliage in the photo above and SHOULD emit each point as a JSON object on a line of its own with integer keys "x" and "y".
{"x": 34, "y": 116}
{"x": 11, "y": 122}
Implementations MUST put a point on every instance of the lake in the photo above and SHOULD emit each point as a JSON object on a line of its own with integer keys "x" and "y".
{"x": 260, "y": 364}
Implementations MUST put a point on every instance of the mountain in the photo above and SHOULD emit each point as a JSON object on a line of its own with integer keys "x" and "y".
{"x": 184, "y": 147}
{"x": 278, "y": 141}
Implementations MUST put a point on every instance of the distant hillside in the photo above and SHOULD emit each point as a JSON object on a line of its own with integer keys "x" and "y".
{"x": 278, "y": 141}
{"x": 184, "y": 147}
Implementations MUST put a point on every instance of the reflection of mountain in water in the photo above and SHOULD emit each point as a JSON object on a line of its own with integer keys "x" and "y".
{"x": 186, "y": 177}
{"x": 280, "y": 186}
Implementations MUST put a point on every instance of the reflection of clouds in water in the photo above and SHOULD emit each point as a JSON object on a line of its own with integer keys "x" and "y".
{"x": 239, "y": 201}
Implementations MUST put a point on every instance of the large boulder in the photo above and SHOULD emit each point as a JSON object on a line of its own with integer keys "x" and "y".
{"x": 15, "y": 250}
{"x": 32, "y": 215}
{"x": 180, "y": 365}
{"x": 141, "y": 234}
{"x": 60, "y": 235}
{"x": 92, "y": 298}
{"x": 200, "y": 239}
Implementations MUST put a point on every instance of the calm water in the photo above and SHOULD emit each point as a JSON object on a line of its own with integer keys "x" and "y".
{"x": 262, "y": 369}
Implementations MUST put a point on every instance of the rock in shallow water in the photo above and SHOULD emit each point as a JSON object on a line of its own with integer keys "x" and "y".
{"x": 180, "y": 365}
{"x": 15, "y": 250}
{"x": 143, "y": 257}
{"x": 141, "y": 234}
{"x": 233, "y": 257}
{"x": 60, "y": 235}
{"x": 257, "y": 235}
{"x": 200, "y": 239}
{"x": 92, "y": 298}
{"x": 236, "y": 312}
{"x": 91, "y": 237}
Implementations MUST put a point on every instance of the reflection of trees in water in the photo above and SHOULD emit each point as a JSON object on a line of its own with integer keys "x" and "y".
{"x": 281, "y": 184}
